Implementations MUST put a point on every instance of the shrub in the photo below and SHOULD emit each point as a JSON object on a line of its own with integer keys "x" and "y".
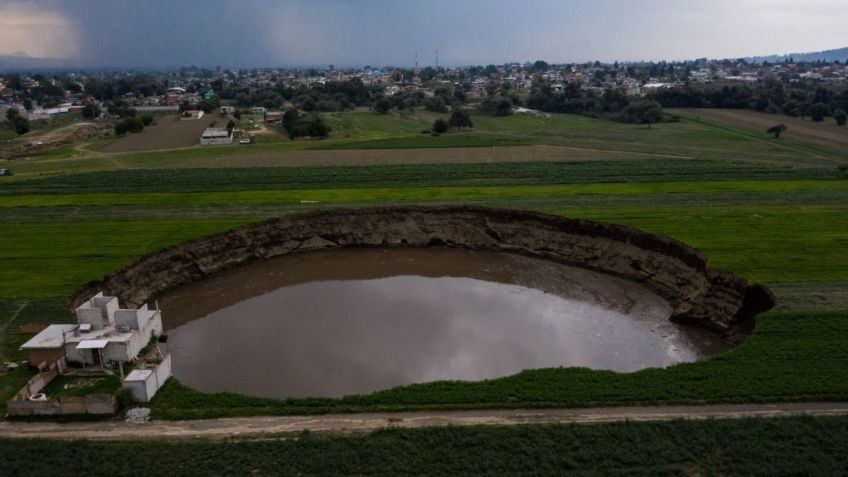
{"x": 818, "y": 112}
{"x": 436, "y": 104}
{"x": 642, "y": 112}
{"x": 382, "y": 105}
{"x": 129, "y": 125}
{"x": 840, "y": 116}
{"x": 147, "y": 120}
{"x": 440, "y": 126}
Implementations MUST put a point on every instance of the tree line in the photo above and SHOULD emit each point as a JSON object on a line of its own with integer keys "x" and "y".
{"x": 816, "y": 102}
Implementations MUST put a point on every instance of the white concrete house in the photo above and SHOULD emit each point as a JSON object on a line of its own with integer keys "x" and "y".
{"x": 104, "y": 333}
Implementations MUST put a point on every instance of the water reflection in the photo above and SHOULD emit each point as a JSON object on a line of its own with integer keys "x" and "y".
{"x": 385, "y": 327}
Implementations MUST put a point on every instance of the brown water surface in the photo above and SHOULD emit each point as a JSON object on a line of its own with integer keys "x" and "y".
{"x": 350, "y": 321}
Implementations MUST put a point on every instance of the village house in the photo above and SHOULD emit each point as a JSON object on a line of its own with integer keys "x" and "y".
{"x": 104, "y": 333}
{"x": 191, "y": 114}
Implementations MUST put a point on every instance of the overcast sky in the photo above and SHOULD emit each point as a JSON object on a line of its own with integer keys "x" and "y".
{"x": 389, "y": 32}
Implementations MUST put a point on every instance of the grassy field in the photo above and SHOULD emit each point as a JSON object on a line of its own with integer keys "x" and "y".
{"x": 770, "y": 211}
{"x": 360, "y": 133}
{"x": 789, "y": 446}
{"x": 826, "y": 133}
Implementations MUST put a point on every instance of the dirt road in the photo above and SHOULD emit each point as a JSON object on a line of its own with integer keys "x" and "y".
{"x": 228, "y": 428}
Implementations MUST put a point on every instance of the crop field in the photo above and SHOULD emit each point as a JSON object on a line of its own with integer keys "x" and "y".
{"x": 788, "y": 446}
{"x": 773, "y": 212}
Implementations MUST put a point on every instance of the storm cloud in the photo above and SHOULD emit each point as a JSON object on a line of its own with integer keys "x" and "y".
{"x": 380, "y": 32}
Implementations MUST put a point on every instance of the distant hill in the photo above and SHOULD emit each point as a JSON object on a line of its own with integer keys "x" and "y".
{"x": 21, "y": 61}
{"x": 840, "y": 54}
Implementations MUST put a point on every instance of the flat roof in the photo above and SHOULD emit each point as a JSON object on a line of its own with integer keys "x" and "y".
{"x": 49, "y": 338}
{"x": 92, "y": 344}
{"x": 139, "y": 375}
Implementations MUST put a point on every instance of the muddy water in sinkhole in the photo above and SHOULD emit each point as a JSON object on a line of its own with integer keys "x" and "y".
{"x": 351, "y": 321}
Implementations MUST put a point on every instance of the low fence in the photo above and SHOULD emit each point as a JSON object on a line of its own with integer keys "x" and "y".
{"x": 37, "y": 382}
{"x": 21, "y": 405}
{"x": 156, "y": 109}
{"x": 90, "y": 404}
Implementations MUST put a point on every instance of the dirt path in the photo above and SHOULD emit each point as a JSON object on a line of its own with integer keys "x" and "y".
{"x": 343, "y": 423}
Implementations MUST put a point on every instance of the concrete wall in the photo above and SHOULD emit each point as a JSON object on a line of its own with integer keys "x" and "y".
{"x": 37, "y": 356}
{"x": 93, "y": 316}
{"x": 675, "y": 271}
{"x": 91, "y": 404}
{"x": 143, "y": 391}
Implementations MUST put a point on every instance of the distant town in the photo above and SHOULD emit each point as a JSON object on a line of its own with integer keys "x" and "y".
{"x": 626, "y": 92}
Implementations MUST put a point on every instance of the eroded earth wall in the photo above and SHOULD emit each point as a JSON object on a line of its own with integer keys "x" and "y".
{"x": 711, "y": 299}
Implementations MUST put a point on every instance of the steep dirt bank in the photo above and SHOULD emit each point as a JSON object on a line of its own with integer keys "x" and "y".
{"x": 711, "y": 299}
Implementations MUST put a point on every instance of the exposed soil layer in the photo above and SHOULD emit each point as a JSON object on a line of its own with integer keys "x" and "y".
{"x": 710, "y": 299}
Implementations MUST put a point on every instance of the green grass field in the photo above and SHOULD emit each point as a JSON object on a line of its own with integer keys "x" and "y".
{"x": 789, "y": 446}
{"x": 365, "y": 130}
{"x": 773, "y": 212}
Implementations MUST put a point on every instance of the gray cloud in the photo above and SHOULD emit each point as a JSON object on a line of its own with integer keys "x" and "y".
{"x": 377, "y": 32}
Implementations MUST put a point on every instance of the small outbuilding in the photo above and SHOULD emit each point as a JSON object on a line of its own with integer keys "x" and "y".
{"x": 215, "y": 136}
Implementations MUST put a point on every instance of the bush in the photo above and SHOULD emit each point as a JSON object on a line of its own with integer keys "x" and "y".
{"x": 147, "y": 120}
{"x": 642, "y": 112}
{"x": 310, "y": 125}
{"x": 840, "y": 116}
{"x": 436, "y": 104}
{"x": 382, "y": 105}
{"x": 818, "y": 112}
{"x": 129, "y": 125}
{"x": 440, "y": 126}
{"x": 17, "y": 122}
{"x": 496, "y": 106}
{"x": 460, "y": 119}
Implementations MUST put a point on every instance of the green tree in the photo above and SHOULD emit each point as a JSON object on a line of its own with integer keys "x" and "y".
{"x": 840, "y": 116}
{"x": 496, "y": 106}
{"x": 436, "y": 104}
{"x": 460, "y": 119}
{"x": 777, "y": 130}
{"x": 440, "y": 126}
{"x": 17, "y": 122}
{"x": 28, "y": 104}
{"x": 90, "y": 111}
{"x": 128, "y": 125}
{"x": 382, "y": 105}
{"x": 818, "y": 112}
{"x": 642, "y": 112}
{"x": 290, "y": 119}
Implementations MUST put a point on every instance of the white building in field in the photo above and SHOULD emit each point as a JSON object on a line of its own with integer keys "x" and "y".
{"x": 104, "y": 333}
{"x": 213, "y": 136}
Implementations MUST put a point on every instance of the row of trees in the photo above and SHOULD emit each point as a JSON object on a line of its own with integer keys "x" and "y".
{"x": 612, "y": 104}
{"x": 772, "y": 97}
